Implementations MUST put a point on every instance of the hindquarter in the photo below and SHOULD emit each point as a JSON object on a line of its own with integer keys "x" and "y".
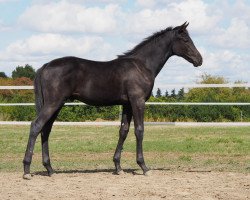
{"x": 56, "y": 84}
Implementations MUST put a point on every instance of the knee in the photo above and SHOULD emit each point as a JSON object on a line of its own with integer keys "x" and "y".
{"x": 139, "y": 130}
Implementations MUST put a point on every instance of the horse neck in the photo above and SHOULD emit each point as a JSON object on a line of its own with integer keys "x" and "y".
{"x": 156, "y": 53}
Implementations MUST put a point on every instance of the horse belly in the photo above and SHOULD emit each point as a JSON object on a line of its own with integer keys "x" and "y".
{"x": 100, "y": 95}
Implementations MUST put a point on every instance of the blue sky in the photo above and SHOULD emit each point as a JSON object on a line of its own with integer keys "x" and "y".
{"x": 37, "y": 31}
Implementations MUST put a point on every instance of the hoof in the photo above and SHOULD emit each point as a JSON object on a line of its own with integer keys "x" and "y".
{"x": 27, "y": 176}
{"x": 50, "y": 174}
{"x": 121, "y": 172}
{"x": 147, "y": 173}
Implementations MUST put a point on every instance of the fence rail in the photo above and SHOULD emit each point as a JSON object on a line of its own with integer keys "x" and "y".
{"x": 8, "y": 87}
{"x": 244, "y": 85}
{"x": 117, "y": 123}
{"x": 150, "y": 103}
{"x": 228, "y": 85}
{"x": 186, "y": 86}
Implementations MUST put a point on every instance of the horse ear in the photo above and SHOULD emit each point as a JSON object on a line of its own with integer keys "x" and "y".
{"x": 185, "y": 25}
{"x": 182, "y": 28}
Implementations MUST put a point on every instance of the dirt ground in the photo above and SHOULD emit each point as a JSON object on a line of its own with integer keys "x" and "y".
{"x": 102, "y": 184}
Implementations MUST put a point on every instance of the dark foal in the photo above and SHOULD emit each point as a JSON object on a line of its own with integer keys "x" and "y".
{"x": 127, "y": 81}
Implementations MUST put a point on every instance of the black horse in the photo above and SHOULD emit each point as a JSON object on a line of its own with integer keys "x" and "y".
{"x": 127, "y": 81}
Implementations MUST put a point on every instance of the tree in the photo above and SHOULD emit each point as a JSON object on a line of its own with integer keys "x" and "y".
{"x": 211, "y": 94}
{"x": 214, "y": 113}
{"x": 173, "y": 95}
{"x": 180, "y": 94}
{"x": 209, "y": 79}
{"x": 27, "y": 71}
{"x": 3, "y": 75}
{"x": 166, "y": 93}
{"x": 158, "y": 93}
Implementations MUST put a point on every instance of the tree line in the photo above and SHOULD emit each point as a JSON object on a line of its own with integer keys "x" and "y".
{"x": 24, "y": 75}
{"x": 21, "y": 71}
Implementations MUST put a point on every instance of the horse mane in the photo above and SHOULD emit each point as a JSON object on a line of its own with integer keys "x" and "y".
{"x": 145, "y": 42}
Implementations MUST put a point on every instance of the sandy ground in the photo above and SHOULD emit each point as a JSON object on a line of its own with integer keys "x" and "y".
{"x": 162, "y": 184}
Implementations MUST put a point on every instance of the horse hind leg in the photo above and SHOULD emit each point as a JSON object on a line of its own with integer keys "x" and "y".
{"x": 45, "y": 143}
{"x": 36, "y": 127}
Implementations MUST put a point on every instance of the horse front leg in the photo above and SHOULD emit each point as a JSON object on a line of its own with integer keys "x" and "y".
{"x": 138, "y": 107}
{"x": 124, "y": 129}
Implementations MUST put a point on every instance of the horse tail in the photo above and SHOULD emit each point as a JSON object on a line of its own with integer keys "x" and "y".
{"x": 39, "y": 101}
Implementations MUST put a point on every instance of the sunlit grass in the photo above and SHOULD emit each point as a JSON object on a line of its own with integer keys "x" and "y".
{"x": 82, "y": 148}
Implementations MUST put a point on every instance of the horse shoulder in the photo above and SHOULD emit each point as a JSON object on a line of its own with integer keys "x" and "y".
{"x": 140, "y": 80}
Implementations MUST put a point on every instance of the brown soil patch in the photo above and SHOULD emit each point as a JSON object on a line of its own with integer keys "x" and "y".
{"x": 103, "y": 184}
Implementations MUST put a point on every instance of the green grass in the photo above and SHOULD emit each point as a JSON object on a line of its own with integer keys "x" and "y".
{"x": 86, "y": 148}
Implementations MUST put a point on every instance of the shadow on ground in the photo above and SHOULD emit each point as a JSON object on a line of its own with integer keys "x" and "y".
{"x": 131, "y": 171}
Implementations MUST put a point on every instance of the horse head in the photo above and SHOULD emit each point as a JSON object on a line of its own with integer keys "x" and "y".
{"x": 183, "y": 46}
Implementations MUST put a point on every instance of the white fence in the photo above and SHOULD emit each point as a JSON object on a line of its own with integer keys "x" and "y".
{"x": 117, "y": 123}
{"x": 186, "y": 86}
{"x": 228, "y": 85}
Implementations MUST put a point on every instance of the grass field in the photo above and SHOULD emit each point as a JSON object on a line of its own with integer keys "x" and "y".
{"x": 168, "y": 147}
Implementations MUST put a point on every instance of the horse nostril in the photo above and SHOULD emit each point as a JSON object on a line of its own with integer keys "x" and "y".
{"x": 201, "y": 61}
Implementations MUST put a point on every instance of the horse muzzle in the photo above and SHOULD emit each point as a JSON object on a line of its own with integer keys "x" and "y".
{"x": 198, "y": 61}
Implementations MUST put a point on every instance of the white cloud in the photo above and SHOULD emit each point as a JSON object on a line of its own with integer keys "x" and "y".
{"x": 226, "y": 63}
{"x": 77, "y": 1}
{"x": 54, "y": 44}
{"x": 41, "y": 48}
{"x": 195, "y": 12}
{"x": 235, "y": 9}
{"x": 146, "y": 3}
{"x": 69, "y": 17}
{"x": 154, "y": 4}
{"x": 234, "y": 36}
{"x": 64, "y": 16}
{"x": 220, "y": 27}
